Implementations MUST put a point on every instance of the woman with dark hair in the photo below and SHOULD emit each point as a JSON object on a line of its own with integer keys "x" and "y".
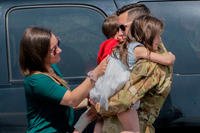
{"x": 48, "y": 96}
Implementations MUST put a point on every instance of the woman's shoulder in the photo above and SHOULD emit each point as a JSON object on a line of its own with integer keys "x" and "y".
{"x": 37, "y": 75}
{"x": 38, "y": 81}
{"x": 36, "y": 78}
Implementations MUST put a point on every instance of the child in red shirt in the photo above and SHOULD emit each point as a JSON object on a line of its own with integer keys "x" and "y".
{"x": 115, "y": 34}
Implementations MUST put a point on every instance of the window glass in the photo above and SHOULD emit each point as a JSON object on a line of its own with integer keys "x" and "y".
{"x": 181, "y": 34}
{"x": 79, "y": 29}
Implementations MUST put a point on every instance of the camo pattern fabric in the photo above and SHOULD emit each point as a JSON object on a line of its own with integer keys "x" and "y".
{"x": 149, "y": 82}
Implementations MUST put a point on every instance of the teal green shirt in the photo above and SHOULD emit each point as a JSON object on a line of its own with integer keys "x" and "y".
{"x": 44, "y": 112}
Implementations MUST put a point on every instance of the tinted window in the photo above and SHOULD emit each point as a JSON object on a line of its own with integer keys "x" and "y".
{"x": 181, "y": 34}
{"x": 79, "y": 29}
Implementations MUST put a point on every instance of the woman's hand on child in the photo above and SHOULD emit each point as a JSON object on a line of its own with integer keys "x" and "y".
{"x": 100, "y": 69}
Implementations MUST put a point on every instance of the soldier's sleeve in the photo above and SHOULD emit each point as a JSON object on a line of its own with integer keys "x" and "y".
{"x": 154, "y": 99}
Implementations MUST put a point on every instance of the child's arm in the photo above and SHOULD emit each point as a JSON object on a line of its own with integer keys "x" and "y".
{"x": 164, "y": 59}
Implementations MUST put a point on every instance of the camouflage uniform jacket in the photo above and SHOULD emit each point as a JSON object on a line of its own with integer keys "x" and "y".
{"x": 150, "y": 82}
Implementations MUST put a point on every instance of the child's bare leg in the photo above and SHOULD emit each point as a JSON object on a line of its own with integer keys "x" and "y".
{"x": 98, "y": 126}
{"x": 87, "y": 117}
{"x": 129, "y": 120}
{"x": 76, "y": 131}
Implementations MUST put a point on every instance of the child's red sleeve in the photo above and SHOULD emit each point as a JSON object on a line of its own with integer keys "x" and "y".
{"x": 106, "y": 49}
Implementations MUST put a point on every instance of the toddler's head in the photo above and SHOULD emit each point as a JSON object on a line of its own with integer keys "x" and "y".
{"x": 112, "y": 29}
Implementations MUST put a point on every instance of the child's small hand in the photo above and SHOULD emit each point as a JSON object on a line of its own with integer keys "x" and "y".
{"x": 169, "y": 58}
{"x": 92, "y": 102}
{"x": 173, "y": 58}
{"x": 91, "y": 114}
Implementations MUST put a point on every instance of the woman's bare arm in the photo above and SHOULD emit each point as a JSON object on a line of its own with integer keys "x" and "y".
{"x": 73, "y": 98}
